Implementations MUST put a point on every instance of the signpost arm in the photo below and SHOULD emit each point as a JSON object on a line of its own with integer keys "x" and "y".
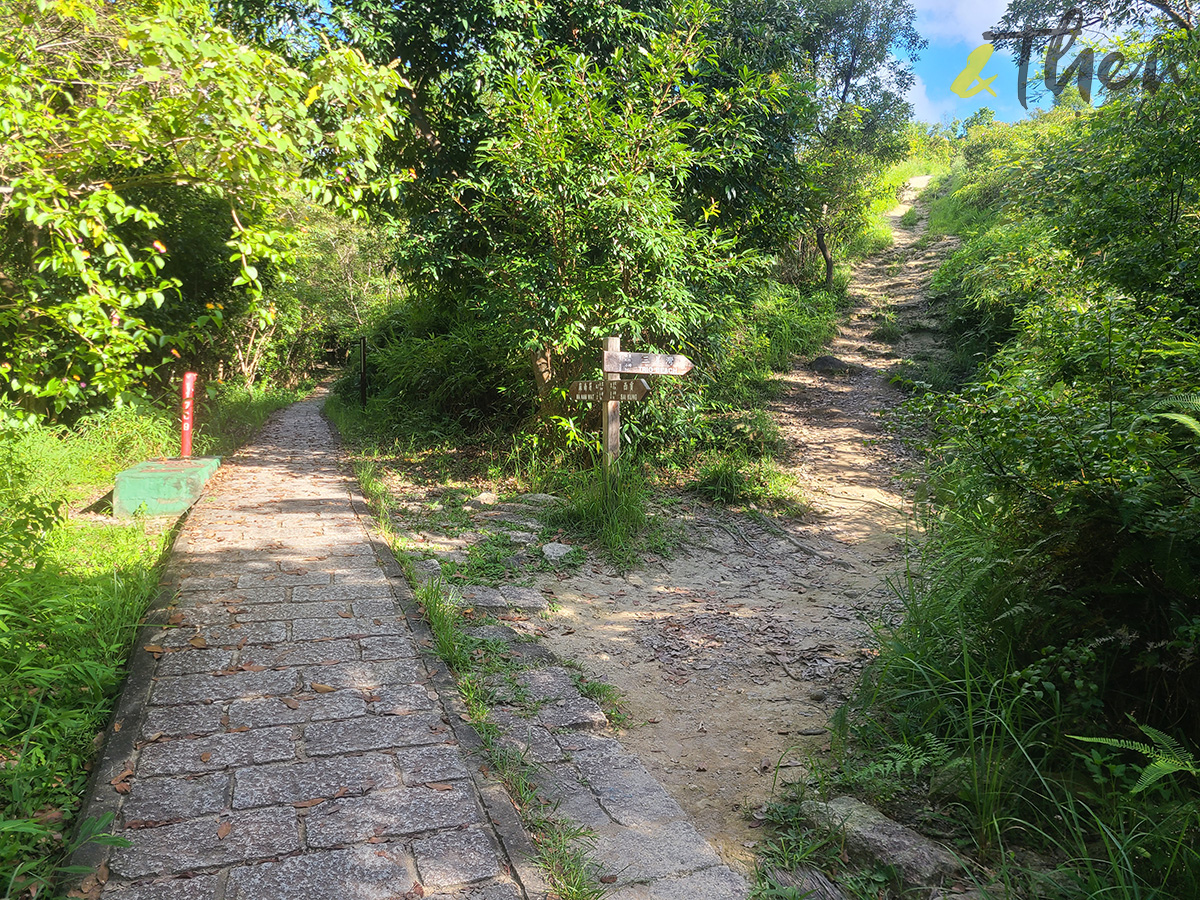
{"x": 611, "y": 413}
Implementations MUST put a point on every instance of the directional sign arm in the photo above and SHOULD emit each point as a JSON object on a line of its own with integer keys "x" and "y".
{"x": 646, "y": 363}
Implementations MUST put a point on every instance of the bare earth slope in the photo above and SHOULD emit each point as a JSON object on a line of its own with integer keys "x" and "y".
{"x": 733, "y": 654}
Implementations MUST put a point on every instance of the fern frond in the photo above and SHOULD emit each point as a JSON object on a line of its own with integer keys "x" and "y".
{"x": 1180, "y": 419}
{"x": 1119, "y": 743}
{"x": 1179, "y": 401}
{"x": 1168, "y": 746}
{"x": 1160, "y": 768}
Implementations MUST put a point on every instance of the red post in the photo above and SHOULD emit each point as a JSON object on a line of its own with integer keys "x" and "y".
{"x": 189, "y": 391}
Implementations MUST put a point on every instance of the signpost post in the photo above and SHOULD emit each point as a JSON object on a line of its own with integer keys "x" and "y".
{"x": 188, "y": 390}
{"x": 613, "y": 390}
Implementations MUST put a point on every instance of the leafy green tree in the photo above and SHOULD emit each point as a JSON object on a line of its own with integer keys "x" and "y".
{"x": 853, "y": 48}
{"x": 1034, "y": 15}
{"x": 105, "y": 111}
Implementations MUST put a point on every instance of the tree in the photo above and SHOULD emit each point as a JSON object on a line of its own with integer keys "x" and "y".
{"x": 108, "y": 110}
{"x": 852, "y": 47}
{"x": 1032, "y": 15}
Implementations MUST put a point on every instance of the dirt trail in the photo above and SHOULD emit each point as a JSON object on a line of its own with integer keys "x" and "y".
{"x": 732, "y": 655}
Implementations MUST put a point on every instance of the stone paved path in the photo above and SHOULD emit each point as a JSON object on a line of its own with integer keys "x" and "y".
{"x": 281, "y": 736}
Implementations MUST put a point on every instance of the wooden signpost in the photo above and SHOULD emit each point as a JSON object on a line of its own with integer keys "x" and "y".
{"x": 613, "y": 390}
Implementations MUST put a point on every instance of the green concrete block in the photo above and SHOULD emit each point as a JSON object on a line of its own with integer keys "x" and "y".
{"x": 164, "y": 487}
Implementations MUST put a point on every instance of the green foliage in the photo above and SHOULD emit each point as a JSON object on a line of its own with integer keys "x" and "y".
{"x": 1057, "y": 590}
{"x": 1166, "y": 756}
{"x": 609, "y": 508}
{"x": 82, "y": 259}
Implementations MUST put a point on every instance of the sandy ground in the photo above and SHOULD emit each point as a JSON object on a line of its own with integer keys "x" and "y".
{"x": 733, "y": 654}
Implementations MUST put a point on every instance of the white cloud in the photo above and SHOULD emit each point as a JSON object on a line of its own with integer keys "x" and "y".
{"x": 954, "y": 20}
{"x": 925, "y": 109}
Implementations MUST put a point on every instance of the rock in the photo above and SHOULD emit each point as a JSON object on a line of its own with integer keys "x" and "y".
{"x": 877, "y": 840}
{"x": 831, "y": 365}
{"x": 427, "y": 570}
{"x": 538, "y": 499}
{"x": 487, "y": 498}
{"x": 522, "y": 537}
{"x": 554, "y": 551}
{"x": 526, "y": 599}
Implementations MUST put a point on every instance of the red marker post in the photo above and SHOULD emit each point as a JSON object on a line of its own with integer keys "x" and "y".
{"x": 189, "y": 393}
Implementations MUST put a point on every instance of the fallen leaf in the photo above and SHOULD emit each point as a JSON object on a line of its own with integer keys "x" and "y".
{"x": 124, "y": 775}
{"x": 608, "y": 879}
{"x": 240, "y": 728}
{"x": 289, "y": 702}
{"x": 176, "y": 619}
{"x": 322, "y": 688}
{"x": 372, "y": 698}
{"x": 198, "y": 642}
{"x": 416, "y": 893}
{"x": 341, "y": 792}
{"x": 253, "y": 667}
{"x": 154, "y": 648}
{"x": 345, "y": 615}
{"x": 117, "y": 725}
{"x": 377, "y": 840}
{"x": 123, "y": 788}
{"x": 306, "y": 804}
{"x": 205, "y": 756}
{"x": 440, "y": 786}
{"x": 223, "y": 830}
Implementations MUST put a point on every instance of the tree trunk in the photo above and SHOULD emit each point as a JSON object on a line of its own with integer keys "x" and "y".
{"x": 543, "y": 370}
{"x": 823, "y": 246}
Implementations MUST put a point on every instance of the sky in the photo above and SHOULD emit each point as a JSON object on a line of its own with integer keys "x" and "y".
{"x": 954, "y": 28}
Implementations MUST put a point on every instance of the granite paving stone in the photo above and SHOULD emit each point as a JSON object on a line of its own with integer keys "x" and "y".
{"x": 388, "y": 647}
{"x": 717, "y": 881}
{"x": 574, "y": 713}
{"x": 447, "y": 858}
{"x": 298, "y": 782}
{"x": 373, "y": 872}
{"x": 436, "y": 763}
{"x": 193, "y": 662}
{"x": 304, "y": 653}
{"x": 171, "y": 690}
{"x": 171, "y": 799}
{"x": 232, "y": 635}
{"x": 198, "y": 843}
{"x": 203, "y": 887}
{"x": 176, "y": 721}
{"x": 336, "y": 592}
{"x": 218, "y": 751}
{"x": 646, "y": 854}
{"x": 400, "y": 812}
{"x": 401, "y": 700}
{"x": 319, "y": 629}
{"x": 307, "y": 707}
{"x": 365, "y": 675}
{"x": 374, "y": 733}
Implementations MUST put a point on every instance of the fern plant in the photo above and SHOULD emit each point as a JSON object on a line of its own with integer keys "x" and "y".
{"x": 1190, "y": 402}
{"x": 1166, "y": 755}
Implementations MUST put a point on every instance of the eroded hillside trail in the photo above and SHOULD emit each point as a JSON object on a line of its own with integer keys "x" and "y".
{"x": 733, "y": 654}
